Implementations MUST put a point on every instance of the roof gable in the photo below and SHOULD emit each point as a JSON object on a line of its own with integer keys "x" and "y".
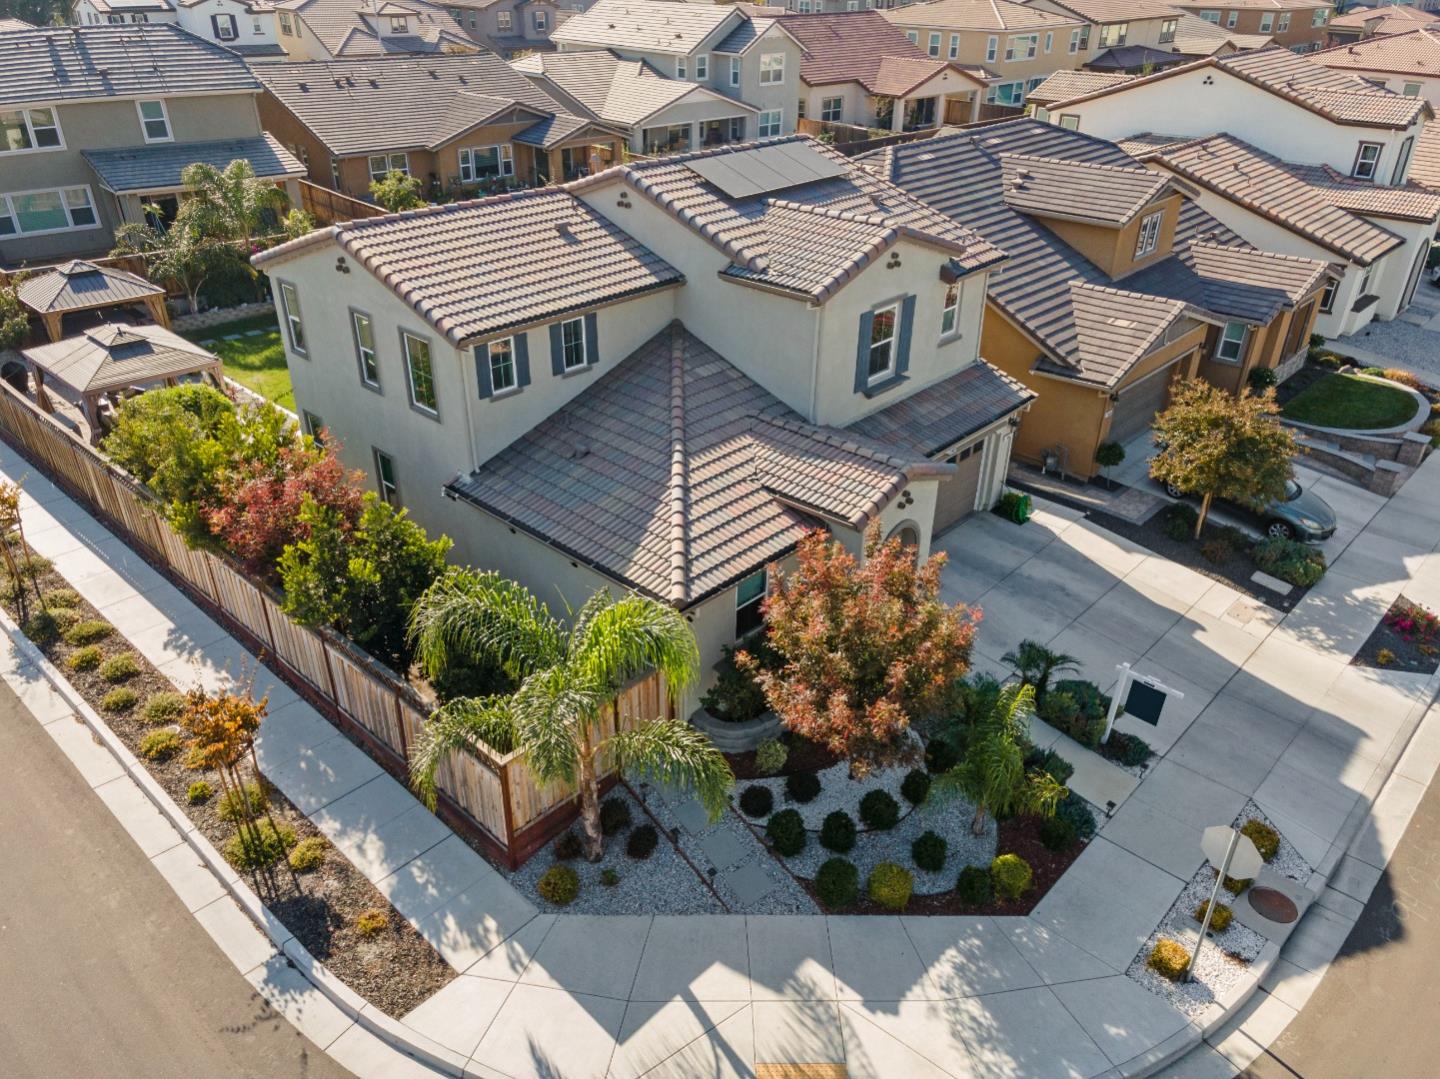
{"x": 864, "y": 47}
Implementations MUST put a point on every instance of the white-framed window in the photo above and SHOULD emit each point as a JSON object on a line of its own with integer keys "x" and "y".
{"x": 852, "y": 5}
{"x": 32, "y": 213}
{"x": 1049, "y": 40}
{"x": 702, "y": 67}
{"x": 1167, "y": 31}
{"x": 767, "y": 124}
{"x": 1113, "y": 35}
{"x": 399, "y": 24}
{"x": 1149, "y": 238}
{"x": 734, "y": 71}
{"x": 1231, "y": 18}
{"x": 954, "y": 46}
{"x": 364, "y": 330}
{"x": 30, "y": 129}
{"x": 1230, "y": 345}
{"x": 950, "y": 310}
{"x": 802, "y": 6}
{"x": 1365, "y": 281}
{"x": 1397, "y": 175}
{"x": 314, "y": 426}
{"x": 1367, "y": 161}
{"x": 335, "y": 173}
{"x": 572, "y": 344}
{"x": 385, "y": 478}
{"x": 1320, "y": 16}
{"x": 832, "y": 109}
{"x": 1411, "y": 89}
{"x": 1267, "y": 21}
{"x": 772, "y": 68}
{"x": 1284, "y": 23}
{"x": 1074, "y": 41}
{"x": 256, "y": 26}
{"x": 486, "y": 162}
{"x": 1211, "y": 17}
{"x": 1007, "y": 93}
{"x": 225, "y": 27}
{"x": 1022, "y": 47}
{"x": 992, "y": 44}
{"x": 503, "y": 376}
{"x": 1327, "y": 296}
{"x": 914, "y": 36}
{"x": 1070, "y": 121}
{"x": 290, "y": 308}
{"x": 382, "y": 165}
{"x": 286, "y": 27}
{"x": 421, "y": 371}
{"x": 884, "y": 328}
{"x": 542, "y": 20}
{"x": 749, "y": 604}
{"x": 932, "y": 44}
{"x": 154, "y": 121}
{"x": 504, "y": 21}
{"x": 682, "y": 68}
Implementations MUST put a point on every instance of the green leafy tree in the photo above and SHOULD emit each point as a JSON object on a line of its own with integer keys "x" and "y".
{"x": 1216, "y": 444}
{"x": 229, "y": 203}
{"x": 297, "y": 223}
{"x": 993, "y": 776}
{"x": 397, "y": 191}
{"x": 568, "y": 678}
{"x": 1036, "y": 665}
{"x": 1109, "y": 455}
{"x": 362, "y": 580}
{"x": 182, "y": 253}
{"x": 14, "y": 321}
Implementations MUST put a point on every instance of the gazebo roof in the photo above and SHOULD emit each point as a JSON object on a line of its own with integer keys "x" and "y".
{"x": 82, "y": 286}
{"x": 114, "y": 356}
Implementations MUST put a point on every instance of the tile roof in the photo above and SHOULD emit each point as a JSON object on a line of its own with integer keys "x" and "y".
{"x": 349, "y": 28}
{"x": 739, "y": 40}
{"x": 1255, "y": 5}
{"x": 400, "y": 102}
{"x": 1195, "y": 36}
{"x": 979, "y": 15}
{"x": 1147, "y": 142}
{"x": 1106, "y": 194}
{"x": 1425, "y": 162}
{"x": 617, "y": 91}
{"x": 1126, "y": 57}
{"x": 553, "y": 130}
{"x": 1416, "y": 52}
{"x": 1090, "y": 328}
{"x": 1273, "y": 189}
{"x": 80, "y": 286}
{"x": 117, "y": 7}
{"x": 946, "y": 412}
{"x": 473, "y": 269}
{"x": 158, "y": 168}
{"x": 1063, "y": 85}
{"x": 1406, "y": 202}
{"x": 71, "y": 63}
{"x": 1394, "y": 19}
{"x": 810, "y": 238}
{"x": 863, "y": 47}
{"x": 644, "y": 25}
{"x": 116, "y": 355}
{"x": 1106, "y": 11}
{"x": 676, "y": 474}
{"x": 9, "y": 25}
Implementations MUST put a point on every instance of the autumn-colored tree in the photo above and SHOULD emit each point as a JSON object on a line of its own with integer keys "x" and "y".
{"x": 867, "y": 649}
{"x": 1215, "y": 444}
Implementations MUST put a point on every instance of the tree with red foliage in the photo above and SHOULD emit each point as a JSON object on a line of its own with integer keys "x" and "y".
{"x": 867, "y": 648}
{"x": 258, "y": 512}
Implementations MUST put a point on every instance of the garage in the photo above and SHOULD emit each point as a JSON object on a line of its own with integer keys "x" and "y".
{"x": 1136, "y": 409}
{"x": 955, "y": 497}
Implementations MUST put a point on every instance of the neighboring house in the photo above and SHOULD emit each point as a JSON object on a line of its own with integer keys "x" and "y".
{"x": 1019, "y": 45}
{"x": 729, "y": 48}
{"x": 122, "y": 12}
{"x": 1064, "y": 85}
{"x": 100, "y": 121}
{"x": 659, "y": 115}
{"x": 463, "y": 123}
{"x": 1118, "y": 286}
{"x": 1123, "y": 35}
{"x": 244, "y": 26}
{"x": 1369, "y": 22}
{"x": 1298, "y": 25}
{"x": 1407, "y": 63}
{"x": 1196, "y": 38}
{"x": 511, "y": 27}
{"x": 342, "y": 29}
{"x": 660, "y": 377}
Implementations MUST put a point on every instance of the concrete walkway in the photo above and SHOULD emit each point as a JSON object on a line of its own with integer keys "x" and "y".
{"x": 1272, "y": 711}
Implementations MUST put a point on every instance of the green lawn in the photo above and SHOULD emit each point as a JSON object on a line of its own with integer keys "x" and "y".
{"x": 256, "y": 360}
{"x": 1349, "y": 402}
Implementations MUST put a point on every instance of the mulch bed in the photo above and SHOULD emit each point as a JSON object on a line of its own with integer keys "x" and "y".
{"x": 396, "y": 969}
{"x": 1415, "y": 653}
{"x": 805, "y": 756}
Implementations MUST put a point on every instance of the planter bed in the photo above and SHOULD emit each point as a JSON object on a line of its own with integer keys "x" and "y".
{"x": 1413, "y": 654}
{"x": 805, "y": 756}
{"x": 396, "y": 969}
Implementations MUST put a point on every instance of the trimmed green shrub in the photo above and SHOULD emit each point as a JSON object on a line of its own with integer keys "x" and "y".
{"x": 757, "y": 801}
{"x": 1077, "y": 708}
{"x": 1169, "y": 958}
{"x": 928, "y": 852}
{"x": 879, "y": 810}
{"x": 1077, "y": 811}
{"x": 91, "y": 631}
{"x": 61, "y": 597}
{"x": 915, "y": 787}
{"x": 1265, "y": 838}
{"x": 1056, "y": 767}
{"x": 786, "y": 832}
{"x": 890, "y": 885}
{"x": 1220, "y": 920}
{"x": 163, "y": 707}
{"x": 371, "y": 923}
{"x": 609, "y": 877}
{"x": 559, "y": 885}
{"x": 568, "y": 847}
{"x": 120, "y": 699}
{"x": 1235, "y": 887}
{"x": 231, "y": 806}
{"x": 34, "y": 565}
{"x": 120, "y": 668}
{"x": 1010, "y": 874}
{"x": 1057, "y": 834}
{"x": 1178, "y": 521}
{"x": 973, "y": 886}
{"x": 309, "y": 854}
{"x": 199, "y": 792}
{"x": 245, "y": 852}
{"x": 1127, "y": 749}
{"x": 1293, "y": 562}
{"x": 642, "y": 841}
{"x": 736, "y": 696}
{"x": 837, "y": 883}
{"x": 42, "y": 627}
{"x": 802, "y": 787}
{"x": 770, "y": 756}
{"x": 837, "y": 833}
{"x": 1261, "y": 378}
{"x": 614, "y": 815}
{"x": 85, "y": 659}
{"x": 941, "y": 755}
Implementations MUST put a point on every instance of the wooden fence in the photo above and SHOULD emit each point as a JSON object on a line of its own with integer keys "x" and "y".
{"x": 327, "y": 206}
{"x": 492, "y": 797}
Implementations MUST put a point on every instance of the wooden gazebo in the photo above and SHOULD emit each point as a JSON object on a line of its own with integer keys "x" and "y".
{"x": 86, "y": 286}
{"x": 114, "y": 359}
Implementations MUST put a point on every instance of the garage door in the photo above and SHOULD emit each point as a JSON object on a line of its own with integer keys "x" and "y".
{"x": 1138, "y": 404}
{"x": 955, "y": 497}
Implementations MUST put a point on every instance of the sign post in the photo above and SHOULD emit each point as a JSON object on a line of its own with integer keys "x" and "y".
{"x": 1235, "y": 855}
{"x": 1144, "y": 698}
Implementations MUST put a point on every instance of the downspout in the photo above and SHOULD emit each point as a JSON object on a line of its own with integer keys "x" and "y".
{"x": 815, "y": 366}
{"x": 469, "y": 409}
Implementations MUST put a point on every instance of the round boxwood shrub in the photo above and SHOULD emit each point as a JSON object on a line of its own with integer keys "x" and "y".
{"x": 879, "y": 810}
{"x": 85, "y": 659}
{"x": 837, "y": 832}
{"x": 1057, "y": 833}
{"x": 757, "y": 801}
{"x": 231, "y": 806}
{"x": 309, "y": 854}
{"x": 890, "y": 885}
{"x": 559, "y": 885}
{"x": 802, "y": 787}
{"x": 614, "y": 815}
{"x": 1074, "y": 809}
{"x": 120, "y": 668}
{"x": 199, "y": 792}
{"x": 120, "y": 699}
{"x": 245, "y": 851}
{"x": 1010, "y": 874}
{"x": 61, "y": 597}
{"x": 973, "y": 886}
{"x": 1234, "y": 886}
{"x": 837, "y": 883}
{"x": 568, "y": 846}
{"x": 371, "y": 923}
{"x": 915, "y": 787}
{"x": 163, "y": 707}
{"x": 770, "y": 756}
{"x": 786, "y": 832}
{"x": 90, "y": 631}
{"x": 1220, "y": 920}
{"x": 928, "y": 851}
{"x": 1265, "y": 838}
{"x": 642, "y": 841}
{"x": 1169, "y": 958}
{"x": 1292, "y": 561}
{"x": 609, "y": 877}
{"x": 941, "y": 755}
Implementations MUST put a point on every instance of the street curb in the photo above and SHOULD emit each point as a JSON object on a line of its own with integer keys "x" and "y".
{"x": 390, "y": 1031}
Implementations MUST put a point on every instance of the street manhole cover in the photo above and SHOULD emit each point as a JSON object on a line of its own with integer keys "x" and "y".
{"x": 1273, "y": 904}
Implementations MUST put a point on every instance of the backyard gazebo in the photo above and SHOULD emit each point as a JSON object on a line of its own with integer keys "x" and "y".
{"x": 85, "y": 286}
{"x": 114, "y": 360}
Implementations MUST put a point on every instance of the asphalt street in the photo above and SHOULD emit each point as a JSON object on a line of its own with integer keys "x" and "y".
{"x": 103, "y": 972}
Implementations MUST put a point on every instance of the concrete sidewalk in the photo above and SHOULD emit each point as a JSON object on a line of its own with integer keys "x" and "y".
{"x": 1276, "y": 714}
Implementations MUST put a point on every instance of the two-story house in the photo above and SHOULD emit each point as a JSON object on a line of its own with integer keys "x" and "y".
{"x": 511, "y": 27}
{"x": 99, "y": 121}
{"x": 122, "y": 12}
{"x": 1298, "y": 25}
{"x": 1407, "y": 63}
{"x": 659, "y": 377}
{"x": 1295, "y": 157}
{"x": 243, "y": 26}
{"x": 341, "y": 29}
{"x": 1196, "y": 38}
{"x": 1019, "y": 44}
{"x": 1119, "y": 283}
{"x": 462, "y": 123}
{"x": 1122, "y": 35}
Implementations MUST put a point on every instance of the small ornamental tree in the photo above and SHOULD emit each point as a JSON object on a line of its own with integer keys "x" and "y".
{"x": 1219, "y": 445}
{"x": 866, "y": 650}
{"x": 182, "y": 253}
{"x": 14, "y": 322}
{"x": 229, "y": 203}
{"x": 1109, "y": 455}
{"x": 397, "y": 191}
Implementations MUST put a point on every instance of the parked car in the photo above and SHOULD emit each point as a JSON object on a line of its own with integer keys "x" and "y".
{"x": 1301, "y": 516}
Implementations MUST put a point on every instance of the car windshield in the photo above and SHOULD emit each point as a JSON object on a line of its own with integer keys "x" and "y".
{"x": 1292, "y": 490}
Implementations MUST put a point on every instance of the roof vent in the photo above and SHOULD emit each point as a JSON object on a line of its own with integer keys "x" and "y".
{"x": 304, "y": 87}
{"x": 374, "y": 84}
{"x": 578, "y": 450}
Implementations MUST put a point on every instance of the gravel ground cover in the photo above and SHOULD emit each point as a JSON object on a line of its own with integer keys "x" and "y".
{"x": 1287, "y": 861}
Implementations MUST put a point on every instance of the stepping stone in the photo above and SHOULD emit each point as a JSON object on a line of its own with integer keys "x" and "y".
{"x": 723, "y": 848}
{"x": 692, "y": 816}
{"x": 232, "y": 337}
{"x": 255, "y": 333}
{"x": 1275, "y": 584}
{"x": 748, "y": 884}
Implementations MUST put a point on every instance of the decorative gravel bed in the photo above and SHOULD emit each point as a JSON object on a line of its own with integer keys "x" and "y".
{"x": 1288, "y": 861}
{"x": 837, "y": 791}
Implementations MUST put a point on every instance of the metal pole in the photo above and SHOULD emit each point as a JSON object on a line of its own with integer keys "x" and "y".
{"x": 1120, "y": 688}
{"x": 1210, "y": 907}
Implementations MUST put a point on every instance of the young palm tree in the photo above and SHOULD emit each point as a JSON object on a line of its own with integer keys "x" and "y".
{"x": 1036, "y": 664}
{"x": 568, "y": 676}
{"x": 228, "y": 203}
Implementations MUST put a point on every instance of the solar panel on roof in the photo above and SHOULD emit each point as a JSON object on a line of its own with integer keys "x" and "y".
{"x": 765, "y": 168}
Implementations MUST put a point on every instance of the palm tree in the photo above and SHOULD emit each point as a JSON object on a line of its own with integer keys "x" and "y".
{"x": 1035, "y": 664}
{"x": 568, "y": 676}
{"x": 228, "y": 203}
{"x": 180, "y": 252}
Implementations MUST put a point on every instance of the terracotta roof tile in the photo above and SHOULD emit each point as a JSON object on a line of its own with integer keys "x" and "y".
{"x": 1063, "y": 85}
{"x": 979, "y": 15}
{"x": 863, "y": 47}
{"x": 645, "y": 25}
{"x": 1109, "y": 194}
{"x": 1425, "y": 164}
{"x": 1395, "y": 19}
{"x": 1416, "y": 52}
{"x": 347, "y": 29}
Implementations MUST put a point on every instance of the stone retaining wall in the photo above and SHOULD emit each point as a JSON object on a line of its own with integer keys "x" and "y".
{"x": 218, "y": 316}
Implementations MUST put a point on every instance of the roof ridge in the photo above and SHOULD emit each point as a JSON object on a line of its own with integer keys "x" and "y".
{"x": 1131, "y": 170}
{"x": 679, "y": 486}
